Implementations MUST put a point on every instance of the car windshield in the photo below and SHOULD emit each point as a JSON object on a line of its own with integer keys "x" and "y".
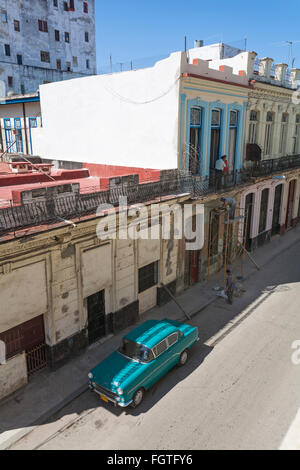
{"x": 135, "y": 351}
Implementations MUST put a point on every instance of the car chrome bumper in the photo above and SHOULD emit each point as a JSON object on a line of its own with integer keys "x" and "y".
{"x": 115, "y": 402}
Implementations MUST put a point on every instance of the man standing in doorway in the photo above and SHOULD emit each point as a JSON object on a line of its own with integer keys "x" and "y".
{"x": 219, "y": 168}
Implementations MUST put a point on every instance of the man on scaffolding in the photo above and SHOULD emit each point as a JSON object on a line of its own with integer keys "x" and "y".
{"x": 229, "y": 201}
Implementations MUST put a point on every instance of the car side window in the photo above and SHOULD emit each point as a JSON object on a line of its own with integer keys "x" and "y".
{"x": 160, "y": 348}
{"x": 172, "y": 339}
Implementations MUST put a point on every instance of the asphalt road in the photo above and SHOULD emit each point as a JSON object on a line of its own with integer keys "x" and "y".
{"x": 239, "y": 390}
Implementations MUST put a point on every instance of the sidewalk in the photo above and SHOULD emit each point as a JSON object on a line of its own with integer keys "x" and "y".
{"x": 50, "y": 391}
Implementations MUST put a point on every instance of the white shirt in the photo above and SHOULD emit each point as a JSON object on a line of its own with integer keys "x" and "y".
{"x": 220, "y": 164}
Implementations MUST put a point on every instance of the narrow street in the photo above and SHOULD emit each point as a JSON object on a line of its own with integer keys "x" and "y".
{"x": 239, "y": 390}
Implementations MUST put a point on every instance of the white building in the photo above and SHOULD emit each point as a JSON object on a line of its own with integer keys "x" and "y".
{"x": 143, "y": 117}
{"x": 45, "y": 41}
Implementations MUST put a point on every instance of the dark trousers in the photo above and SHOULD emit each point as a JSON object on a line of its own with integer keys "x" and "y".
{"x": 219, "y": 176}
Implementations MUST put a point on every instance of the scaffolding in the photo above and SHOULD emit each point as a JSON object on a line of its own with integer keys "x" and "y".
{"x": 234, "y": 240}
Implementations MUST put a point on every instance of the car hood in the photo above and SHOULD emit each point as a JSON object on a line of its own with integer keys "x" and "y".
{"x": 115, "y": 370}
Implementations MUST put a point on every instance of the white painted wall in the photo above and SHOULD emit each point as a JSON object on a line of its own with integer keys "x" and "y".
{"x": 128, "y": 118}
{"x": 13, "y": 375}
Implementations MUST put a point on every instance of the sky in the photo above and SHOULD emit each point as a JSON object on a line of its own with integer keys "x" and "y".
{"x": 137, "y": 30}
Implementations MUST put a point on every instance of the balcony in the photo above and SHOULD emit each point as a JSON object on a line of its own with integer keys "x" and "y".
{"x": 54, "y": 210}
{"x": 270, "y": 167}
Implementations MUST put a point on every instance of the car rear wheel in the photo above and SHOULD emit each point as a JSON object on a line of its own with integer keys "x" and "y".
{"x": 183, "y": 358}
{"x": 138, "y": 397}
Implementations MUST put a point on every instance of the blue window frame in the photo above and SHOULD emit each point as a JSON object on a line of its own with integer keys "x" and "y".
{"x": 18, "y": 135}
{"x": 195, "y": 140}
{"x": 232, "y": 144}
{"x": 216, "y": 116}
{"x": 8, "y": 135}
{"x": 32, "y": 125}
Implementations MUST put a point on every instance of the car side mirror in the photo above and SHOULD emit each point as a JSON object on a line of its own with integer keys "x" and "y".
{"x": 181, "y": 335}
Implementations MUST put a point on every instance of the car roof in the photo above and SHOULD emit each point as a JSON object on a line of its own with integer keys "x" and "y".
{"x": 151, "y": 332}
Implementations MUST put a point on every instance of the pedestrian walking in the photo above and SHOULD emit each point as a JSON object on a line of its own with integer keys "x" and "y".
{"x": 230, "y": 286}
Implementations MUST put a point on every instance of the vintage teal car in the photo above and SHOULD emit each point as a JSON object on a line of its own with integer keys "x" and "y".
{"x": 146, "y": 354}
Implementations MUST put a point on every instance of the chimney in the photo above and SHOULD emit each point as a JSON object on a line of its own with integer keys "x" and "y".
{"x": 280, "y": 70}
{"x": 198, "y": 43}
{"x": 295, "y": 77}
{"x": 265, "y": 65}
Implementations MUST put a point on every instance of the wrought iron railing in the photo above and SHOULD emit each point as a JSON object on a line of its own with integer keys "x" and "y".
{"x": 276, "y": 165}
{"x": 54, "y": 209}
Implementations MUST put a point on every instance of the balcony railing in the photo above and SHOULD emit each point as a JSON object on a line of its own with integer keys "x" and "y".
{"x": 51, "y": 211}
{"x": 276, "y": 165}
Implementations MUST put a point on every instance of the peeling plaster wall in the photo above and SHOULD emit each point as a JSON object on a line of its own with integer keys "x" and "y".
{"x": 29, "y": 42}
{"x": 13, "y": 375}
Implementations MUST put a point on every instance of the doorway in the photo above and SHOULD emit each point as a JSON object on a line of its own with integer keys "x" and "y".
{"x": 248, "y": 219}
{"x": 276, "y": 210}
{"x": 290, "y": 205}
{"x": 96, "y": 316}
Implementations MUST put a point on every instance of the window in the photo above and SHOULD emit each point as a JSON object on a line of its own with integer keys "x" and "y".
{"x": 66, "y": 8}
{"x": 7, "y": 50}
{"x": 67, "y": 37}
{"x": 75, "y": 61}
{"x": 172, "y": 339}
{"x": 215, "y": 137}
{"x": 195, "y": 141}
{"x": 148, "y": 276}
{"x": 4, "y": 16}
{"x": 19, "y": 59}
{"x": 72, "y": 5}
{"x": 43, "y": 26}
{"x": 45, "y": 56}
{"x": 86, "y": 36}
{"x": 87, "y": 63}
{"x": 85, "y": 7}
{"x": 160, "y": 348}
{"x": 58, "y": 64}
{"x": 57, "y": 35}
{"x": 296, "y": 139}
{"x": 17, "y": 25}
{"x": 252, "y": 137}
{"x": 69, "y": 66}
{"x": 283, "y": 134}
{"x": 22, "y": 89}
{"x": 10, "y": 81}
{"x": 232, "y": 139}
{"x": 268, "y": 134}
{"x": 55, "y": 3}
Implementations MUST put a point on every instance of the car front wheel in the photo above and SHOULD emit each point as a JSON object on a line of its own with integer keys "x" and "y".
{"x": 183, "y": 358}
{"x": 138, "y": 397}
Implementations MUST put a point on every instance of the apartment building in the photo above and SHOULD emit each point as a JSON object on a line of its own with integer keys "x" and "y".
{"x": 45, "y": 41}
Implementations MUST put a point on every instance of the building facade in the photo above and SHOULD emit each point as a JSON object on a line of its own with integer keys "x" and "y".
{"x": 45, "y": 41}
